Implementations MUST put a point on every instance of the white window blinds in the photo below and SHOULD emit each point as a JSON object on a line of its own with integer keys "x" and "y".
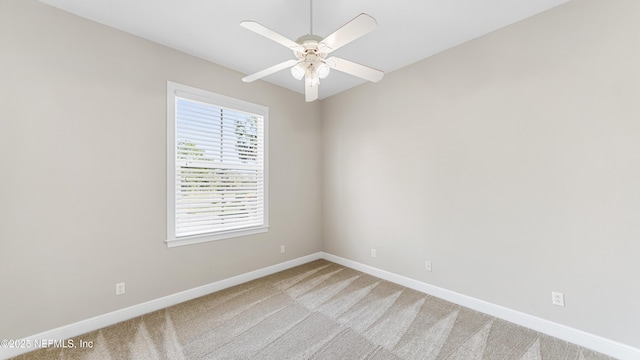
{"x": 219, "y": 168}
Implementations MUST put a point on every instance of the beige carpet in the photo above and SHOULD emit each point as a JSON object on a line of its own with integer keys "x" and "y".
{"x": 319, "y": 310}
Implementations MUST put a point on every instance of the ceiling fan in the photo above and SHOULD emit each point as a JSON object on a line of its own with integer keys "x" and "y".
{"x": 311, "y": 51}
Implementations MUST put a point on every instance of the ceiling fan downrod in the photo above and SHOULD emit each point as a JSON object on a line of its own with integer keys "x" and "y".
{"x": 310, "y": 17}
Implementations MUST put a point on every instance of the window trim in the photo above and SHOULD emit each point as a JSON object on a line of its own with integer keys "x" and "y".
{"x": 179, "y": 90}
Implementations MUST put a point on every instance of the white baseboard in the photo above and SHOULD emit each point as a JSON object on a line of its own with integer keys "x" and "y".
{"x": 587, "y": 340}
{"x": 575, "y": 336}
{"x": 98, "y": 322}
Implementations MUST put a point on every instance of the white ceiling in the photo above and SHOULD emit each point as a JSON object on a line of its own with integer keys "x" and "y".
{"x": 408, "y": 30}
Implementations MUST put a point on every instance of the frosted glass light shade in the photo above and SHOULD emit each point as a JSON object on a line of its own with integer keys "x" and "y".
{"x": 298, "y": 71}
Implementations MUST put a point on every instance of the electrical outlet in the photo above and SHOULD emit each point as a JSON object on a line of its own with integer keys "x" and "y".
{"x": 281, "y": 249}
{"x": 557, "y": 298}
{"x": 120, "y": 288}
{"x": 427, "y": 265}
{"x": 373, "y": 252}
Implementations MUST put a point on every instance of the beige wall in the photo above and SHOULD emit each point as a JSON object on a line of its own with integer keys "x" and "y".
{"x": 512, "y": 162}
{"x": 82, "y": 171}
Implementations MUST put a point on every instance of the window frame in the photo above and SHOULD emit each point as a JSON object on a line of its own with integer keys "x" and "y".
{"x": 174, "y": 91}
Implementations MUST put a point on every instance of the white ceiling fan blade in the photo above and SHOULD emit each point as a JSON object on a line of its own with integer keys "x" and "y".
{"x": 270, "y": 70}
{"x": 270, "y": 34}
{"x": 355, "y": 69}
{"x": 354, "y": 29}
{"x": 310, "y": 90}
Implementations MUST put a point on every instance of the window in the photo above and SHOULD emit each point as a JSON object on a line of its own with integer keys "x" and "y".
{"x": 216, "y": 166}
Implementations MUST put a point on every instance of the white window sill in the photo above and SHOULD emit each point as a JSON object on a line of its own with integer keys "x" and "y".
{"x": 190, "y": 240}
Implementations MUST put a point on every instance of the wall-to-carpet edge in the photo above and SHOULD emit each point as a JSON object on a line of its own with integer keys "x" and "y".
{"x": 575, "y": 336}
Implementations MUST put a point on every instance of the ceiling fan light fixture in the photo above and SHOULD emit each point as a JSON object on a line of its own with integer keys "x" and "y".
{"x": 323, "y": 70}
{"x": 298, "y": 71}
